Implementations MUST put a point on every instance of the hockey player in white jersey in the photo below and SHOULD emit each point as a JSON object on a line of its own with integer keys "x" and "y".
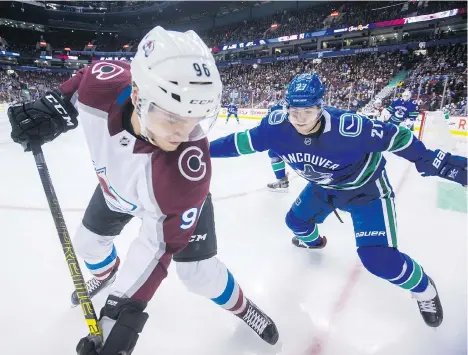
{"x": 381, "y": 113}
{"x": 145, "y": 126}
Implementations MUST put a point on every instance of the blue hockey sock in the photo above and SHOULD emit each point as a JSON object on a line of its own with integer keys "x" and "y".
{"x": 412, "y": 276}
{"x": 304, "y": 231}
{"x": 279, "y": 168}
{"x": 395, "y": 267}
{"x": 312, "y": 238}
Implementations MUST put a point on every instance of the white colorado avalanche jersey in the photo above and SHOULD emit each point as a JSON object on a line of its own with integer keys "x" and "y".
{"x": 165, "y": 189}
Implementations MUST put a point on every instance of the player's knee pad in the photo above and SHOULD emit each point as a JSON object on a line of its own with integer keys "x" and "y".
{"x": 297, "y": 225}
{"x": 382, "y": 261}
{"x": 88, "y": 244}
{"x": 206, "y": 277}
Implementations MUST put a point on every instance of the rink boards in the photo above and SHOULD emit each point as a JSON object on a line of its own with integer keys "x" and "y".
{"x": 458, "y": 124}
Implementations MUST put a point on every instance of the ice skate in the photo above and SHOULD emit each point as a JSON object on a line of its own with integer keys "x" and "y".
{"x": 431, "y": 310}
{"x": 95, "y": 286}
{"x": 301, "y": 244}
{"x": 280, "y": 185}
{"x": 260, "y": 323}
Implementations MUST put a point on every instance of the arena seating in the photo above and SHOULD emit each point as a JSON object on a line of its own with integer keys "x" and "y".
{"x": 351, "y": 81}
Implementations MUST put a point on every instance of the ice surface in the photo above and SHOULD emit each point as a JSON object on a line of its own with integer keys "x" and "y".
{"x": 323, "y": 302}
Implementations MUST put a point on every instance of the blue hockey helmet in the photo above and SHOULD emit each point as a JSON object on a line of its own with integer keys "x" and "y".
{"x": 305, "y": 90}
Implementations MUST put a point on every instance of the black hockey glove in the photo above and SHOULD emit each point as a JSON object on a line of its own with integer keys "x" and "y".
{"x": 42, "y": 120}
{"x": 122, "y": 319}
{"x": 445, "y": 165}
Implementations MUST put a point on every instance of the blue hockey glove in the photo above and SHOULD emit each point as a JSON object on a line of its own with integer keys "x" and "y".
{"x": 445, "y": 165}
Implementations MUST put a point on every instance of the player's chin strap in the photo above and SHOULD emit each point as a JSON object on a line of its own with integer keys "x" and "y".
{"x": 319, "y": 116}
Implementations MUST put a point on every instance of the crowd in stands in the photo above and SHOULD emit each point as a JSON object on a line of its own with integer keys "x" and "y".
{"x": 351, "y": 81}
{"x": 98, "y": 6}
{"x": 27, "y": 85}
{"x": 288, "y": 22}
{"x": 442, "y": 67}
{"x": 368, "y": 12}
{"x": 314, "y": 18}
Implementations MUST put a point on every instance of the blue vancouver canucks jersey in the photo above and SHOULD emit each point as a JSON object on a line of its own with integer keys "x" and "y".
{"x": 344, "y": 154}
{"x": 402, "y": 110}
{"x": 232, "y": 109}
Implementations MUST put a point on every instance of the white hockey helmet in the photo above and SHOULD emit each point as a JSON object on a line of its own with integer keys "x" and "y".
{"x": 406, "y": 96}
{"x": 178, "y": 83}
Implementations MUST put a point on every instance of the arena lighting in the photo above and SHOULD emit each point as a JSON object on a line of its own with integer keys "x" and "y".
{"x": 67, "y": 49}
{"x": 275, "y": 25}
{"x": 334, "y": 14}
{"x": 43, "y": 44}
{"x": 89, "y": 45}
{"x": 126, "y": 46}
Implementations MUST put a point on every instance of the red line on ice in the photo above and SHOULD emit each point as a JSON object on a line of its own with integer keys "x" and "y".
{"x": 320, "y": 340}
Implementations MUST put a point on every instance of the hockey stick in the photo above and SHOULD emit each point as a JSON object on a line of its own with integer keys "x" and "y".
{"x": 67, "y": 247}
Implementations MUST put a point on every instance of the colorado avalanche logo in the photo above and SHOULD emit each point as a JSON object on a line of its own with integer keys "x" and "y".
{"x": 310, "y": 174}
{"x": 191, "y": 165}
{"x": 113, "y": 199}
{"x": 106, "y": 71}
{"x": 148, "y": 48}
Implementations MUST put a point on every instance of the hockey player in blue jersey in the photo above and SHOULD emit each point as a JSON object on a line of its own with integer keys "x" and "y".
{"x": 404, "y": 111}
{"x": 340, "y": 154}
{"x": 232, "y": 110}
{"x": 277, "y": 164}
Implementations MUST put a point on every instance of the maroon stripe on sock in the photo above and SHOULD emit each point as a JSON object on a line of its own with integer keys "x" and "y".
{"x": 239, "y": 302}
{"x": 107, "y": 272}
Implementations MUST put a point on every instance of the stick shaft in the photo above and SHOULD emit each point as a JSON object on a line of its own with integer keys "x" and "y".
{"x": 67, "y": 247}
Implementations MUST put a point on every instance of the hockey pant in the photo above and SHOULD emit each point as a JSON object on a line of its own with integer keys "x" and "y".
{"x": 196, "y": 265}
{"x": 232, "y": 114}
{"x": 372, "y": 209}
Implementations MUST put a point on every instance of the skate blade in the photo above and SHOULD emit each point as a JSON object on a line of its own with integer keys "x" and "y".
{"x": 278, "y": 190}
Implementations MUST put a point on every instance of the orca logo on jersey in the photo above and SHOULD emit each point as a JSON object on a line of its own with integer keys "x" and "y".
{"x": 191, "y": 165}
{"x": 106, "y": 71}
{"x": 276, "y": 117}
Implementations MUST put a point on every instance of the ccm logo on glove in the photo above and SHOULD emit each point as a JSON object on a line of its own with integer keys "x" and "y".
{"x": 60, "y": 109}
